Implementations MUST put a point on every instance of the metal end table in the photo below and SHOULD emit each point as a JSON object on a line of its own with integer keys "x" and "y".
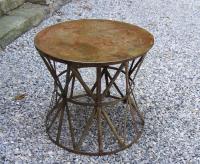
{"x": 102, "y": 118}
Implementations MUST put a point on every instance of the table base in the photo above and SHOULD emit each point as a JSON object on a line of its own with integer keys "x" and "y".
{"x": 101, "y": 119}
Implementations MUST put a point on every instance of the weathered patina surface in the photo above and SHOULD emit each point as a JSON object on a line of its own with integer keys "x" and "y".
{"x": 94, "y": 41}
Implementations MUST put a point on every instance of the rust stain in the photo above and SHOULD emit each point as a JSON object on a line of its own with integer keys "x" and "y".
{"x": 94, "y": 41}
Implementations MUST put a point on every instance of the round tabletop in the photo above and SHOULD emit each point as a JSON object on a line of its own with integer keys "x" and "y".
{"x": 93, "y": 41}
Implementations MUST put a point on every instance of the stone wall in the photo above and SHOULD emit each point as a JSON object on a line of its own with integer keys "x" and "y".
{"x": 18, "y": 16}
{"x": 8, "y": 5}
{"x": 42, "y": 2}
{"x": 45, "y": 2}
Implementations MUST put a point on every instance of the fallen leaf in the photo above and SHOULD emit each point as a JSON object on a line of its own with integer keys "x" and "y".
{"x": 20, "y": 96}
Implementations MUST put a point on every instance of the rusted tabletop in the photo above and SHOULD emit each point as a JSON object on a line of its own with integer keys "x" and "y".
{"x": 93, "y": 41}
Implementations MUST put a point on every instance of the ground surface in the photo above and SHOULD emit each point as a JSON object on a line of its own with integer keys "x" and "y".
{"x": 167, "y": 89}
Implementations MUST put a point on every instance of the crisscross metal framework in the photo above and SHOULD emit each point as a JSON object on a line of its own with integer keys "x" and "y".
{"x": 61, "y": 119}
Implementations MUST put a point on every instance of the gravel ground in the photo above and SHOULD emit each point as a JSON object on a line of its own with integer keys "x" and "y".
{"x": 167, "y": 88}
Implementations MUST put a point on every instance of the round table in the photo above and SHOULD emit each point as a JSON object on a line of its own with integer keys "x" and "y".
{"x": 94, "y": 63}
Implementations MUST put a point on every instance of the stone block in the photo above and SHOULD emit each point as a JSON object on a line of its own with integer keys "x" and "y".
{"x": 19, "y": 21}
{"x": 42, "y": 2}
{"x": 8, "y": 5}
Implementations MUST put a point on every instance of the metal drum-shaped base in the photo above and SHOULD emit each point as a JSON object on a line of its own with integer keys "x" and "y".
{"x": 94, "y": 118}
